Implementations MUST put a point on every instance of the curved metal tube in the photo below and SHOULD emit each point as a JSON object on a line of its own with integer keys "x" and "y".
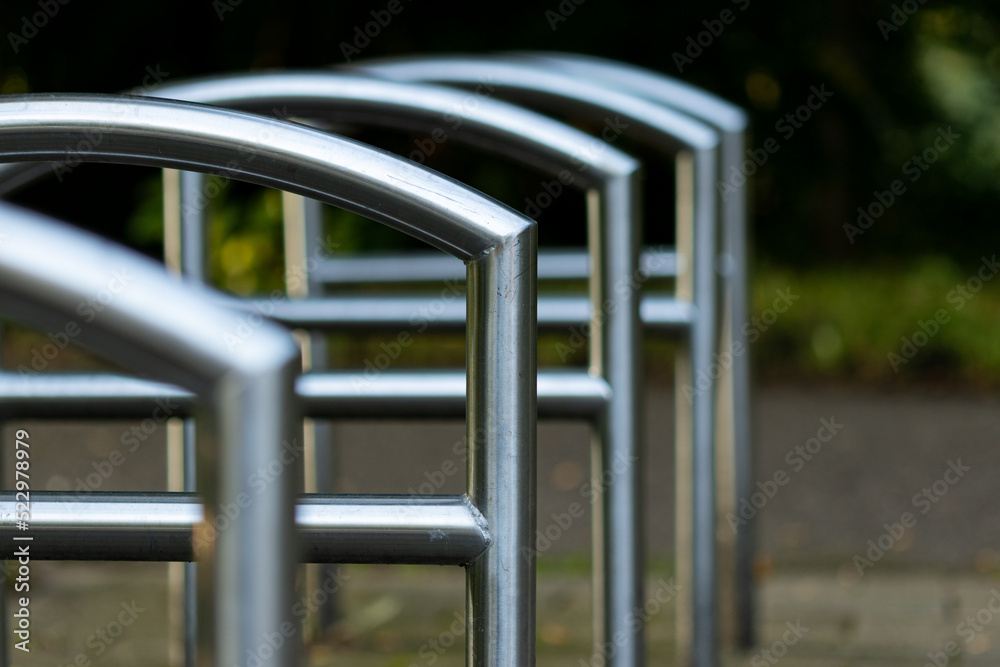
{"x": 336, "y": 97}
{"x": 669, "y": 131}
{"x": 499, "y": 245}
{"x": 652, "y": 85}
{"x": 72, "y": 128}
{"x": 50, "y": 272}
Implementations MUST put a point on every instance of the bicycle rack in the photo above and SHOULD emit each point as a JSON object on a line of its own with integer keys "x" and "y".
{"x": 498, "y": 246}
{"x": 563, "y": 394}
{"x": 524, "y": 136}
{"x": 734, "y": 439}
{"x": 46, "y": 271}
{"x": 673, "y": 132}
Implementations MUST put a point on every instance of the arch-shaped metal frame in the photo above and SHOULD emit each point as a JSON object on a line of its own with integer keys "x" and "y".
{"x": 497, "y": 244}
{"x": 48, "y": 269}
{"x": 734, "y": 438}
{"x": 523, "y": 136}
{"x": 528, "y": 138}
{"x": 671, "y": 132}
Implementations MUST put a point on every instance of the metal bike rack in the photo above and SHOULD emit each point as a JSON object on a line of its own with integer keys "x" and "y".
{"x": 669, "y": 131}
{"x": 533, "y": 140}
{"x": 46, "y": 271}
{"x": 524, "y": 136}
{"x": 734, "y": 438}
{"x": 498, "y": 246}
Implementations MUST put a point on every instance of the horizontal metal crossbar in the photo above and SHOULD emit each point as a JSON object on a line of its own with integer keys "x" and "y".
{"x": 446, "y": 311}
{"x": 559, "y": 264}
{"x": 438, "y": 530}
{"x": 561, "y": 394}
{"x": 363, "y": 393}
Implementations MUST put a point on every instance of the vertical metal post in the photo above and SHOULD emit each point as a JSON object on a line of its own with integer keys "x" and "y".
{"x": 500, "y": 429}
{"x": 252, "y": 565}
{"x": 703, "y": 337}
{"x": 734, "y": 437}
{"x": 185, "y": 229}
{"x": 251, "y": 391}
{"x": 303, "y": 232}
{"x": 177, "y": 577}
{"x": 685, "y": 383}
{"x": 695, "y": 450}
{"x": 4, "y": 650}
{"x": 735, "y": 213}
{"x": 614, "y": 353}
{"x": 246, "y": 545}
{"x": 667, "y": 128}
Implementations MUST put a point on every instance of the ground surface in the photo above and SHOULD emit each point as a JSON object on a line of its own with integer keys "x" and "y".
{"x": 909, "y": 602}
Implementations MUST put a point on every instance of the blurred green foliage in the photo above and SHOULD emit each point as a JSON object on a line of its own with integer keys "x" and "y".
{"x": 845, "y": 324}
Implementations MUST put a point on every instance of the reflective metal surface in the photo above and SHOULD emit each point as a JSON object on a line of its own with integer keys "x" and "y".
{"x": 339, "y": 394}
{"x": 500, "y": 436}
{"x": 150, "y": 323}
{"x": 346, "y": 269}
{"x": 501, "y": 248}
{"x": 432, "y": 530}
{"x": 414, "y": 200}
{"x": 423, "y": 313}
{"x": 185, "y": 236}
{"x": 528, "y": 138}
{"x": 664, "y": 129}
{"x": 734, "y": 436}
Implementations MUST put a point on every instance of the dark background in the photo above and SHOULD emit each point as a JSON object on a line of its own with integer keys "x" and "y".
{"x": 885, "y": 107}
{"x": 893, "y": 90}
